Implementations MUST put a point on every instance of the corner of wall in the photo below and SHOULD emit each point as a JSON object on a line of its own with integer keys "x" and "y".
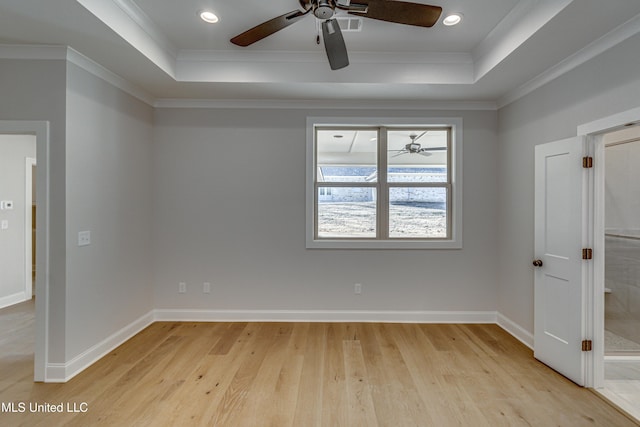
{"x": 517, "y": 331}
{"x": 63, "y": 372}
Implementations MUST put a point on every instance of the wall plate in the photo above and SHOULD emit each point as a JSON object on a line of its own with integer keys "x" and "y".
{"x": 84, "y": 238}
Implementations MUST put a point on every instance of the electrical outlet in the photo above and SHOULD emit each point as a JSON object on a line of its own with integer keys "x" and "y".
{"x": 206, "y": 287}
{"x": 182, "y": 288}
{"x": 84, "y": 238}
{"x": 357, "y": 288}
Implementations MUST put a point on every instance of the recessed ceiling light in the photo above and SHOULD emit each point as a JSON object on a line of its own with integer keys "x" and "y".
{"x": 208, "y": 16}
{"x": 338, "y": 136}
{"x": 452, "y": 19}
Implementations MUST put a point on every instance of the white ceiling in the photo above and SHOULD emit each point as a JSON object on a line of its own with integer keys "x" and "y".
{"x": 502, "y": 49}
{"x": 346, "y": 146}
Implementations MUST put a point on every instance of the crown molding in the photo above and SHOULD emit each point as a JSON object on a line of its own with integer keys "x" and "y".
{"x": 128, "y": 21}
{"x": 137, "y": 15}
{"x": 601, "y": 45}
{"x": 520, "y": 24}
{"x": 319, "y": 56}
{"x": 70, "y": 55}
{"x": 287, "y": 67}
{"x": 325, "y": 104}
{"x": 108, "y": 76}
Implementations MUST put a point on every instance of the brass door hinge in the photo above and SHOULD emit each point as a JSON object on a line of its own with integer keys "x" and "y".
{"x": 587, "y": 253}
{"x": 587, "y": 345}
{"x": 587, "y": 162}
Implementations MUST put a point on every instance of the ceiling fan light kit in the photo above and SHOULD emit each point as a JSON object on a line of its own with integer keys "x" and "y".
{"x": 400, "y": 12}
{"x": 322, "y": 9}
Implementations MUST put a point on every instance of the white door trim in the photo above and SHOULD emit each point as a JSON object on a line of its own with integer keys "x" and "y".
{"x": 41, "y": 130}
{"x": 594, "y": 301}
{"x": 29, "y": 163}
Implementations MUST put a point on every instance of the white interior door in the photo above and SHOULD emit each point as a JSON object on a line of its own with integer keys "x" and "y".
{"x": 559, "y": 229}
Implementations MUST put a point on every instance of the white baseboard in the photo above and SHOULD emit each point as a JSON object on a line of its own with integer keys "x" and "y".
{"x": 13, "y": 299}
{"x": 324, "y": 316}
{"x": 518, "y": 332}
{"x": 56, "y": 373}
{"x": 622, "y": 358}
{"x": 63, "y": 372}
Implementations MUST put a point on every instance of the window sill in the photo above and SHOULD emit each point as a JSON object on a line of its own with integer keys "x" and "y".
{"x": 383, "y": 244}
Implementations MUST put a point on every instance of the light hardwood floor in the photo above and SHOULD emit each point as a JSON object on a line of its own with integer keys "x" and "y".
{"x": 307, "y": 374}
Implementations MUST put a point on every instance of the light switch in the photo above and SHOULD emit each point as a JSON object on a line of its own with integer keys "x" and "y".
{"x": 4, "y": 224}
{"x": 84, "y": 238}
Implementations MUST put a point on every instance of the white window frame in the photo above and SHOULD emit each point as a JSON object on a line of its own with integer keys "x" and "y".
{"x": 455, "y": 233}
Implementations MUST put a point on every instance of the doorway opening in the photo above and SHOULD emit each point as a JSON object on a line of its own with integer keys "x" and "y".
{"x": 39, "y": 130}
{"x": 622, "y": 243}
{"x": 615, "y": 371}
{"x": 621, "y": 236}
{"x": 17, "y": 159}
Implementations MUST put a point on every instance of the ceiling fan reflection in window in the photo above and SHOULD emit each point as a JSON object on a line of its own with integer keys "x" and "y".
{"x": 415, "y": 148}
{"x": 400, "y": 12}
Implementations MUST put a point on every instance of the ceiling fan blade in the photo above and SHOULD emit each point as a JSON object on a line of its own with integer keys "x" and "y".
{"x": 434, "y": 149}
{"x": 425, "y": 154}
{"x": 267, "y": 28}
{"x": 352, "y": 7}
{"x": 400, "y": 154}
{"x": 419, "y": 136}
{"x": 401, "y": 12}
{"x": 334, "y": 44}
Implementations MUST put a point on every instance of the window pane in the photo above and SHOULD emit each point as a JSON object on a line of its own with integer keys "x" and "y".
{"x": 346, "y": 212}
{"x": 418, "y": 212}
{"x": 346, "y": 155}
{"x": 417, "y": 155}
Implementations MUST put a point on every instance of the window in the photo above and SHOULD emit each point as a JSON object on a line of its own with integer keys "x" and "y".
{"x": 384, "y": 184}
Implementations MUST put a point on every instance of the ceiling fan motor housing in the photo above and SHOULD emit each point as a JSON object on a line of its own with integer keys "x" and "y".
{"x": 323, "y": 9}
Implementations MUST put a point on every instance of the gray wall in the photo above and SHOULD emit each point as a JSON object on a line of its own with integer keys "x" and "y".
{"x": 605, "y": 85}
{"x": 109, "y": 140}
{"x": 229, "y": 208}
{"x": 14, "y": 149}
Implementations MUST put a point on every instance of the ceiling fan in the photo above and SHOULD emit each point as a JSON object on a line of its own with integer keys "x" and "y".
{"x": 415, "y": 148}
{"x": 400, "y": 12}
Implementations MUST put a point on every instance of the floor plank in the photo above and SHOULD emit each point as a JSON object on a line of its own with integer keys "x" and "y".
{"x": 308, "y": 374}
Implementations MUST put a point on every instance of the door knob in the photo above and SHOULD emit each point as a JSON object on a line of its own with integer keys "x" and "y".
{"x": 537, "y": 263}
